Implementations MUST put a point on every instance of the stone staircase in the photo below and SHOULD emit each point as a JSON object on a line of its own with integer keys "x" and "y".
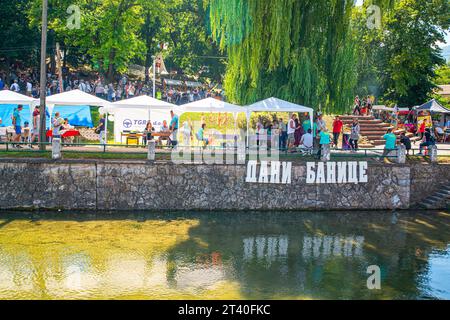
{"x": 440, "y": 199}
{"x": 373, "y": 130}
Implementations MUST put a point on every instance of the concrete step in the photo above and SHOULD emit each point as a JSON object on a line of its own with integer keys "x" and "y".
{"x": 374, "y": 132}
{"x": 349, "y": 117}
{"x": 366, "y": 146}
{"x": 378, "y": 142}
{"x": 373, "y": 137}
{"x": 363, "y": 122}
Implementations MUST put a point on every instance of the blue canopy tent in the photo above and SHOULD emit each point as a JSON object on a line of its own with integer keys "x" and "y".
{"x": 79, "y": 116}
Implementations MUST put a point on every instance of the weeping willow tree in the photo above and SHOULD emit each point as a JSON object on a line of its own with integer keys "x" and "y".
{"x": 302, "y": 51}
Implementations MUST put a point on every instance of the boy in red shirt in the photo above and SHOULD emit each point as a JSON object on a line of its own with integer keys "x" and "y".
{"x": 338, "y": 125}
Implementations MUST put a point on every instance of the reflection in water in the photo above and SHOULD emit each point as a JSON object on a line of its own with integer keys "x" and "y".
{"x": 225, "y": 256}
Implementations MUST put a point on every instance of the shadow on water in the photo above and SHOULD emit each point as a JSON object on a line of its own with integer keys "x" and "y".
{"x": 252, "y": 255}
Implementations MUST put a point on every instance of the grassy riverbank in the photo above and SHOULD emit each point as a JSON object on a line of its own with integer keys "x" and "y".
{"x": 165, "y": 156}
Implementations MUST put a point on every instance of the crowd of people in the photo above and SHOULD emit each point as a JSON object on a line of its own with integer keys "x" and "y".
{"x": 27, "y": 82}
{"x": 363, "y": 107}
{"x": 298, "y": 134}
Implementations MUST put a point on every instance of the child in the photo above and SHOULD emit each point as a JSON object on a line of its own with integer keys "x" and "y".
{"x": 406, "y": 142}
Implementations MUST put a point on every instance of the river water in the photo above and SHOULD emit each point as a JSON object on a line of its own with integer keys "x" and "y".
{"x": 225, "y": 256}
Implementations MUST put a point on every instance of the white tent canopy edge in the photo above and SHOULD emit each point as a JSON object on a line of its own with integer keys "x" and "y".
{"x": 276, "y": 105}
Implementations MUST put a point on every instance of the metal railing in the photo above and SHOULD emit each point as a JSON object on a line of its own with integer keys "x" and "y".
{"x": 118, "y": 149}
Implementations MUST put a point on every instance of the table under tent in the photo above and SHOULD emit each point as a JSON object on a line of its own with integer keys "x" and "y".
{"x": 132, "y": 115}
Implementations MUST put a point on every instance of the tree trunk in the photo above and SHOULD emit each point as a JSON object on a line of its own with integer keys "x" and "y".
{"x": 111, "y": 68}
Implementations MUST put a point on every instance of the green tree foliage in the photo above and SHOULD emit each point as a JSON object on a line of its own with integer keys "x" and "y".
{"x": 17, "y": 39}
{"x": 115, "y": 33}
{"x": 301, "y": 51}
{"x": 410, "y": 55}
{"x": 321, "y": 53}
{"x": 443, "y": 75}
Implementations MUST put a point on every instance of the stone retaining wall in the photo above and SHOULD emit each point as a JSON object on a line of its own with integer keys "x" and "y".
{"x": 109, "y": 185}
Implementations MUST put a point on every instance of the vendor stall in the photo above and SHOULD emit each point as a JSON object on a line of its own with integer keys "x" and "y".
{"x": 211, "y": 105}
{"x": 131, "y": 115}
{"x": 9, "y": 100}
{"x": 276, "y": 105}
{"x": 77, "y": 98}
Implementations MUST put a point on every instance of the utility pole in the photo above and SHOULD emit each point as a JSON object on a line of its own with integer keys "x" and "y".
{"x": 43, "y": 78}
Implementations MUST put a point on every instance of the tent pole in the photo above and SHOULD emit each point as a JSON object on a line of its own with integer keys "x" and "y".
{"x": 106, "y": 128}
{"x": 248, "y": 128}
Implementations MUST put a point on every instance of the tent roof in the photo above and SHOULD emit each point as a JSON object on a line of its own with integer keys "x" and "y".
{"x": 173, "y": 82}
{"x": 193, "y": 84}
{"x": 76, "y": 98}
{"x": 384, "y": 108}
{"x": 143, "y": 102}
{"x": 211, "y": 105}
{"x": 11, "y": 97}
{"x": 277, "y": 105}
{"x": 433, "y": 106}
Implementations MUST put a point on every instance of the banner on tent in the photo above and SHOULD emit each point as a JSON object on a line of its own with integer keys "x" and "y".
{"x": 79, "y": 116}
{"x": 135, "y": 120}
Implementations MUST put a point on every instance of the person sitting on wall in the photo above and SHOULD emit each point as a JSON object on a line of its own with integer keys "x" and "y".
{"x": 391, "y": 141}
{"x": 406, "y": 142}
{"x": 427, "y": 142}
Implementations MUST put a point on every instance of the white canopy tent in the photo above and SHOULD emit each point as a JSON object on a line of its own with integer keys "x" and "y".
{"x": 384, "y": 108}
{"x": 131, "y": 110}
{"x": 77, "y": 98}
{"x": 143, "y": 102}
{"x": 277, "y": 105}
{"x": 11, "y": 97}
{"x": 211, "y": 105}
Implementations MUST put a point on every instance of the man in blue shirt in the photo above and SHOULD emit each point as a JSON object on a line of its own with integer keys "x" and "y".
{"x": 17, "y": 123}
{"x": 391, "y": 142}
{"x": 174, "y": 128}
